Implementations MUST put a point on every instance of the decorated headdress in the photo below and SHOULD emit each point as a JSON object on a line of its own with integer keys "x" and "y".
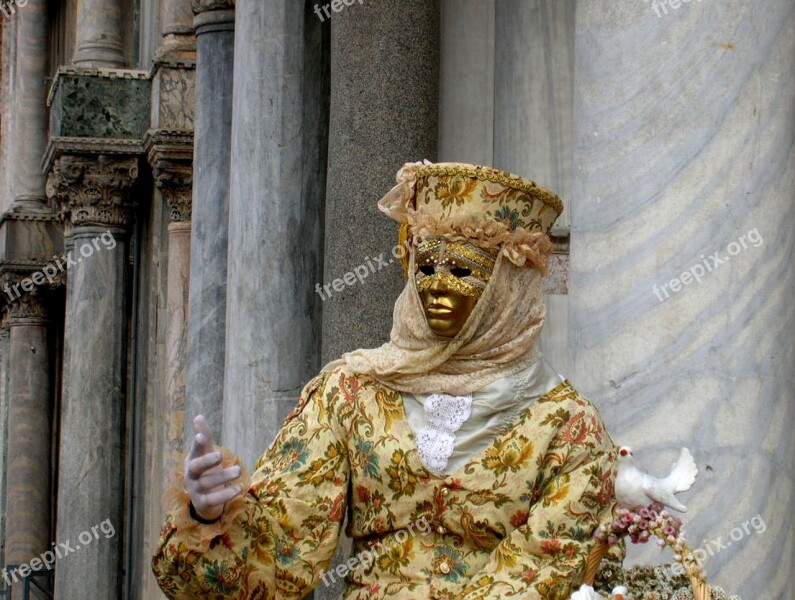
{"x": 482, "y": 205}
{"x": 492, "y": 222}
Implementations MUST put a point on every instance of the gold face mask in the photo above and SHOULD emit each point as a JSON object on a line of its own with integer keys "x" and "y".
{"x": 450, "y": 278}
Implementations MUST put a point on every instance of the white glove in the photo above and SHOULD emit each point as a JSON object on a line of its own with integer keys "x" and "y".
{"x": 205, "y": 479}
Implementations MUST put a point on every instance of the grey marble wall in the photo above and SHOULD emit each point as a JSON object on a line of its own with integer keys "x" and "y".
{"x": 275, "y": 218}
{"x": 210, "y": 223}
{"x": 685, "y": 124}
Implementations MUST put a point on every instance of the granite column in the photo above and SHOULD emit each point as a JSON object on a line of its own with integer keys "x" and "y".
{"x": 275, "y": 216}
{"x": 384, "y": 113}
{"x": 210, "y": 214}
{"x": 682, "y": 272}
{"x": 94, "y": 193}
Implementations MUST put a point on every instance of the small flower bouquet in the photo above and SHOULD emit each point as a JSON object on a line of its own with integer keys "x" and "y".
{"x": 640, "y": 526}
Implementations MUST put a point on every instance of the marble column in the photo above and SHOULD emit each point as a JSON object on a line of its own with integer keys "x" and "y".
{"x": 682, "y": 277}
{"x": 275, "y": 240}
{"x": 384, "y": 112}
{"x": 27, "y": 495}
{"x": 173, "y": 173}
{"x": 533, "y": 128}
{"x": 94, "y": 195}
{"x": 99, "y": 34}
{"x": 29, "y": 112}
{"x": 210, "y": 214}
{"x": 4, "y": 369}
{"x": 176, "y": 18}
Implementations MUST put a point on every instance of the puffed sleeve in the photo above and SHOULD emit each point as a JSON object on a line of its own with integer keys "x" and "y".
{"x": 276, "y": 539}
{"x": 543, "y": 557}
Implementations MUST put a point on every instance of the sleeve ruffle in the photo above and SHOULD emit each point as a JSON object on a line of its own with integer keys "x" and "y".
{"x": 176, "y": 502}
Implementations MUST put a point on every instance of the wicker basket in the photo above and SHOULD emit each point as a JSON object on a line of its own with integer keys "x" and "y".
{"x": 699, "y": 585}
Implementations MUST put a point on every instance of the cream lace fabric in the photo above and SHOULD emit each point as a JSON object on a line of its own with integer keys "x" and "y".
{"x": 444, "y": 415}
{"x": 498, "y": 339}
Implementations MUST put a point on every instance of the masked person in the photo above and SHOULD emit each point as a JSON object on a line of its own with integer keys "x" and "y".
{"x": 469, "y": 468}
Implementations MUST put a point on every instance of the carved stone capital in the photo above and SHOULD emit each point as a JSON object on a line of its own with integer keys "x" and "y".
{"x": 94, "y": 190}
{"x": 171, "y": 156}
{"x": 21, "y": 306}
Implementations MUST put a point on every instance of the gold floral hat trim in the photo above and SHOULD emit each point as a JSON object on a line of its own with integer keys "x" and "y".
{"x": 470, "y": 203}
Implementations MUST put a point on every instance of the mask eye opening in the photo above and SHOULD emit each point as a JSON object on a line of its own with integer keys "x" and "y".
{"x": 427, "y": 269}
{"x": 460, "y": 272}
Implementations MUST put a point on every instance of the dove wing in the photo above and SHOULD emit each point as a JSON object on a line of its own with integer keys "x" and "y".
{"x": 683, "y": 473}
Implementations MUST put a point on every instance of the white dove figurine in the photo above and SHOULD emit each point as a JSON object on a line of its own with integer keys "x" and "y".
{"x": 634, "y": 488}
{"x": 586, "y": 592}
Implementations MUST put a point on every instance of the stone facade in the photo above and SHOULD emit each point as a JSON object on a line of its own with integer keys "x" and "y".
{"x": 194, "y": 168}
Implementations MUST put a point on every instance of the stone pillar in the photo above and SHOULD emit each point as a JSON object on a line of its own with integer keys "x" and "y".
{"x": 533, "y": 129}
{"x": 384, "y": 112}
{"x": 171, "y": 159}
{"x": 27, "y": 527}
{"x": 210, "y": 215}
{"x": 682, "y": 320}
{"x": 4, "y": 369}
{"x": 29, "y": 112}
{"x": 94, "y": 195}
{"x": 176, "y": 18}
{"x": 466, "y": 88}
{"x": 275, "y": 242}
{"x": 99, "y": 38}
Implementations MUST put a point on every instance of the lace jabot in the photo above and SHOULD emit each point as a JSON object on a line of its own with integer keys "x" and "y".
{"x": 444, "y": 415}
{"x": 451, "y": 429}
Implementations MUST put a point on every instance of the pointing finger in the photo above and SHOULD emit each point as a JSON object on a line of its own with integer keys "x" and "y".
{"x": 201, "y": 427}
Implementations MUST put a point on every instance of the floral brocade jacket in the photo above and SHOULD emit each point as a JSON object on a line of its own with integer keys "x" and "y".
{"x": 516, "y": 520}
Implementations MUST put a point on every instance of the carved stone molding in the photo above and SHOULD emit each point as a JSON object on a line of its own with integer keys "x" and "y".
{"x": 94, "y": 190}
{"x": 200, "y": 6}
{"x": 170, "y": 155}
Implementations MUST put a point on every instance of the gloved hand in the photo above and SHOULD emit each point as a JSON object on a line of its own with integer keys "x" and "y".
{"x": 205, "y": 479}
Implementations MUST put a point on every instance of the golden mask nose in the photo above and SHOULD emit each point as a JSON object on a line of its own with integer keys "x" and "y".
{"x": 437, "y": 286}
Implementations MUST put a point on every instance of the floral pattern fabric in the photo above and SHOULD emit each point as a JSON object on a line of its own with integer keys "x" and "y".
{"x": 517, "y": 520}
